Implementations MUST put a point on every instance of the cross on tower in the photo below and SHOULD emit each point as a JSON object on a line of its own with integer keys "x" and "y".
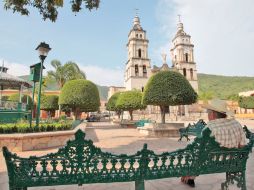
{"x": 136, "y": 11}
{"x": 179, "y": 18}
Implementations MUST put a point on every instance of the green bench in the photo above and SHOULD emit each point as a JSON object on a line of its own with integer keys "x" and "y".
{"x": 194, "y": 130}
{"x": 141, "y": 123}
{"x": 80, "y": 162}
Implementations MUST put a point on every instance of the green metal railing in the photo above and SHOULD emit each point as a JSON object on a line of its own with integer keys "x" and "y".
{"x": 11, "y": 105}
{"x": 80, "y": 162}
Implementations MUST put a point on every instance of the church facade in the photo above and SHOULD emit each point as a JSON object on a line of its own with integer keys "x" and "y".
{"x": 138, "y": 66}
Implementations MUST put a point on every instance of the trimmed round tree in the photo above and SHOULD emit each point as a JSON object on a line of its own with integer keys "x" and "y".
{"x": 80, "y": 95}
{"x": 130, "y": 101}
{"x": 111, "y": 105}
{"x": 246, "y": 102}
{"x": 168, "y": 88}
{"x": 49, "y": 103}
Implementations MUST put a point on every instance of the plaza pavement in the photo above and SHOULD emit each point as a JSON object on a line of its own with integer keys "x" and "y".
{"x": 118, "y": 140}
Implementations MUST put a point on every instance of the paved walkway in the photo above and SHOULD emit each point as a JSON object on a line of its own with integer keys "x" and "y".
{"x": 123, "y": 140}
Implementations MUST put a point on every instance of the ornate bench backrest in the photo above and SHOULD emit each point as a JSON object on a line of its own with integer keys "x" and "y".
{"x": 80, "y": 162}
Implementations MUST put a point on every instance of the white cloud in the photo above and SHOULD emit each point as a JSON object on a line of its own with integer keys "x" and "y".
{"x": 104, "y": 76}
{"x": 98, "y": 75}
{"x": 16, "y": 69}
{"x": 222, "y": 32}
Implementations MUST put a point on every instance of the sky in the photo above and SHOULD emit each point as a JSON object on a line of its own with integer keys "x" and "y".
{"x": 222, "y": 32}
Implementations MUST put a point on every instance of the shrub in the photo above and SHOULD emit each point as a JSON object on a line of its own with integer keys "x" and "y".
{"x": 168, "y": 88}
{"x": 80, "y": 95}
{"x": 23, "y": 127}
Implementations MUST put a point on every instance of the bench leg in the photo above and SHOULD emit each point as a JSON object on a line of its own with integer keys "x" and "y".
{"x": 140, "y": 185}
{"x": 238, "y": 177}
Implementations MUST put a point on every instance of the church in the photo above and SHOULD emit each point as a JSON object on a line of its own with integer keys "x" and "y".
{"x": 138, "y": 67}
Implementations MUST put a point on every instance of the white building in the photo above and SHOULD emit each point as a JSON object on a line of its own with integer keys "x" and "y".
{"x": 138, "y": 68}
{"x": 182, "y": 56}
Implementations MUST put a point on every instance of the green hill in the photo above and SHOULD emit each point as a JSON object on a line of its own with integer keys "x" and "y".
{"x": 220, "y": 86}
{"x": 224, "y": 86}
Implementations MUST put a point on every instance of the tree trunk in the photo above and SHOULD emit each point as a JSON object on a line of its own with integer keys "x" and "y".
{"x": 76, "y": 113}
{"x": 131, "y": 114}
{"x": 162, "y": 114}
{"x": 59, "y": 108}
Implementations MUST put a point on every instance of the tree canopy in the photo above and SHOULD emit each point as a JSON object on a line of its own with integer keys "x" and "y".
{"x": 48, "y": 8}
{"x": 246, "y": 102}
{"x": 130, "y": 101}
{"x": 111, "y": 105}
{"x": 168, "y": 88}
{"x": 49, "y": 102}
{"x": 80, "y": 95}
{"x": 64, "y": 73}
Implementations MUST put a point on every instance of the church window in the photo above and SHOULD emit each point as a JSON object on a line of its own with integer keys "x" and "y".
{"x": 144, "y": 70}
{"x": 139, "y": 53}
{"x": 184, "y": 72}
{"x": 140, "y": 35}
{"x": 186, "y": 57}
{"x": 191, "y": 73}
{"x": 136, "y": 70}
{"x": 136, "y": 35}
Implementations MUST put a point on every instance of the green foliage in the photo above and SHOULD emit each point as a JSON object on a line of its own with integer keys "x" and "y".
{"x": 23, "y": 127}
{"x": 49, "y": 103}
{"x": 15, "y": 98}
{"x": 111, "y": 105}
{"x": 4, "y": 98}
{"x": 224, "y": 87}
{"x": 246, "y": 102}
{"x": 80, "y": 95}
{"x": 130, "y": 100}
{"x": 234, "y": 97}
{"x": 205, "y": 96}
{"x": 168, "y": 88}
{"x": 63, "y": 73}
{"x": 48, "y": 9}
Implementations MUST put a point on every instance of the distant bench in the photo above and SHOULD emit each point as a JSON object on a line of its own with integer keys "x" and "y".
{"x": 80, "y": 162}
{"x": 192, "y": 129}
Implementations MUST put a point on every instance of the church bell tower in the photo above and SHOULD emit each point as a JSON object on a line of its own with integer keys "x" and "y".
{"x": 182, "y": 56}
{"x": 138, "y": 68}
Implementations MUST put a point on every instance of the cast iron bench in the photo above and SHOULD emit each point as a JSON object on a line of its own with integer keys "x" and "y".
{"x": 194, "y": 130}
{"x": 80, "y": 162}
{"x": 141, "y": 123}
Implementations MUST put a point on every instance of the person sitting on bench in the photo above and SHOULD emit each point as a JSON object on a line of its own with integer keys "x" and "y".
{"x": 227, "y": 131}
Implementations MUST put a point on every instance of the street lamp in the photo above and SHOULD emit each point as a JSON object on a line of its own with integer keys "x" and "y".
{"x": 43, "y": 50}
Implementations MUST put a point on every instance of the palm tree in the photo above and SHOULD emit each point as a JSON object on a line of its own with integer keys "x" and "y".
{"x": 64, "y": 73}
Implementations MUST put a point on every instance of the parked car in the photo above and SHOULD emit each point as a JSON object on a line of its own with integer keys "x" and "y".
{"x": 93, "y": 118}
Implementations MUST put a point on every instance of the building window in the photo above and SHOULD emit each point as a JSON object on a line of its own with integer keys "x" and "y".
{"x": 136, "y": 70}
{"x": 136, "y": 35}
{"x": 144, "y": 70}
{"x": 186, "y": 57}
{"x": 191, "y": 74}
{"x": 140, "y": 35}
{"x": 139, "y": 53}
{"x": 184, "y": 72}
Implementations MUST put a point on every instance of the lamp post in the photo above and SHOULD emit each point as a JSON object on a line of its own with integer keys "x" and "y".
{"x": 43, "y": 50}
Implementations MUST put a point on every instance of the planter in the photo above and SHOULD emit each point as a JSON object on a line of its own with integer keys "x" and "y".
{"x": 35, "y": 141}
